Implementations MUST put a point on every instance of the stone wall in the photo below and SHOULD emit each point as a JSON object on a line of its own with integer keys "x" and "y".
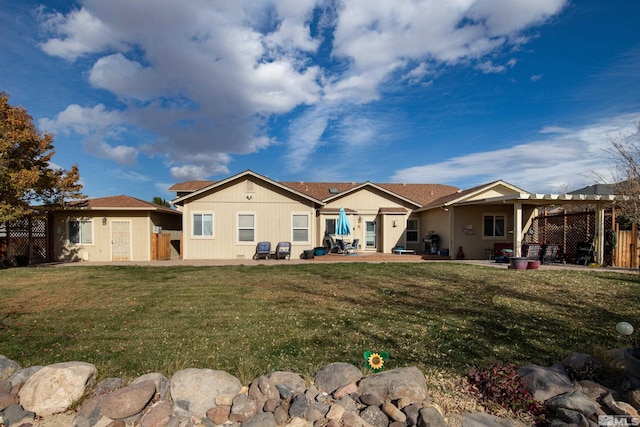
{"x": 339, "y": 396}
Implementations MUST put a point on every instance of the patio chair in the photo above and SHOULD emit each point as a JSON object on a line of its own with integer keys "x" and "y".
{"x": 263, "y": 250}
{"x": 331, "y": 245}
{"x": 351, "y": 247}
{"x": 551, "y": 254}
{"x": 532, "y": 251}
{"x": 283, "y": 250}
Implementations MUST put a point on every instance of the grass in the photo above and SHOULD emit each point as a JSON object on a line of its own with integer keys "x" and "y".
{"x": 248, "y": 321}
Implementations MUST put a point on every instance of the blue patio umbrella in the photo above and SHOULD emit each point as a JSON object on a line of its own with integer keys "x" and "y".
{"x": 342, "y": 225}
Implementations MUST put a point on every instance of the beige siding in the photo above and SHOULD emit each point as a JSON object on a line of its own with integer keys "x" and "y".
{"x": 272, "y": 207}
{"x": 468, "y": 233}
{"x": 437, "y": 221}
{"x": 367, "y": 203}
{"x": 100, "y": 248}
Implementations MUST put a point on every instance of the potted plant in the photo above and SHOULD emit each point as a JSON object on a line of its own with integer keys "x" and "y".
{"x": 631, "y": 354}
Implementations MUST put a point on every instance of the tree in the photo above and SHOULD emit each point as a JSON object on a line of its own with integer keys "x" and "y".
{"x": 625, "y": 153}
{"x": 160, "y": 201}
{"x": 28, "y": 181}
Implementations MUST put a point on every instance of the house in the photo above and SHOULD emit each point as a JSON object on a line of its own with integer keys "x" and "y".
{"x": 118, "y": 228}
{"x": 226, "y": 219}
{"x": 499, "y": 214}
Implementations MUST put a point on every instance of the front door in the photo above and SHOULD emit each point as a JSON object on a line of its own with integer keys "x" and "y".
{"x": 120, "y": 240}
{"x": 370, "y": 237}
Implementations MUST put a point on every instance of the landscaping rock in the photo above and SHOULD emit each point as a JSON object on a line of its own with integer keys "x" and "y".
{"x": 620, "y": 408}
{"x": 582, "y": 366}
{"x": 158, "y": 415}
{"x": 8, "y": 399}
{"x": 7, "y": 367}
{"x": 575, "y": 401}
{"x": 161, "y": 382}
{"x": 22, "y": 375}
{"x": 219, "y": 414}
{"x": 55, "y": 387}
{"x": 263, "y": 419}
{"x": 194, "y": 391}
{"x": 298, "y": 406}
{"x": 572, "y": 417}
{"x": 429, "y": 417}
{"x": 290, "y": 380}
{"x": 374, "y": 416}
{"x": 480, "y": 419}
{"x": 127, "y": 401}
{"x": 409, "y": 383}
{"x": 108, "y": 385}
{"x": 15, "y": 416}
{"x": 89, "y": 413}
{"x": 336, "y": 375}
{"x": 545, "y": 383}
{"x": 243, "y": 408}
{"x": 393, "y": 412}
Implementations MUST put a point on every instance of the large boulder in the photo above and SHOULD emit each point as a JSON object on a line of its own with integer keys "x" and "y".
{"x": 545, "y": 383}
{"x": 194, "y": 391}
{"x": 408, "y": 383}
{"x": 336, "y": 375}
{"x": 56, "y": 387}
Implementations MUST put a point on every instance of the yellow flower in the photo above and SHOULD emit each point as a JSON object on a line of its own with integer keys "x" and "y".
{"x": 375, "y": 361}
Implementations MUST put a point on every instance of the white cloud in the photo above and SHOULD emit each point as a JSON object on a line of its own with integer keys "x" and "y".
{"x": 568, "y": 159}
{"x": 204, "y": 77}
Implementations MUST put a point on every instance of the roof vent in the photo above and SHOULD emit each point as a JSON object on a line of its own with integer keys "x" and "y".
{"x": 333, "y": 190}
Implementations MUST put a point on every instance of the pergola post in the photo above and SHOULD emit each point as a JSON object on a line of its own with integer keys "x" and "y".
{"x": 600, "y": 236}
{"x": 517, "y": 228}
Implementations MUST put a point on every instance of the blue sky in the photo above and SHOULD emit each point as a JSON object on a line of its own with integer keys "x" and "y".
{"x": 141, "y": 95}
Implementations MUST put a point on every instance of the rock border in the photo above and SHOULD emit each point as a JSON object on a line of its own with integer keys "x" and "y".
{"x": 339, "y": 396}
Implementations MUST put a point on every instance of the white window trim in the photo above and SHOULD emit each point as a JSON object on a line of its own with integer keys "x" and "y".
{"x": 308, "y": 228}
{"x": 494, "y": 215}
{"x": 213, "y": 225}
{"x": 417, "y": 230}
{"x": 255, "y": 228}
{"x": 93, "y": 231}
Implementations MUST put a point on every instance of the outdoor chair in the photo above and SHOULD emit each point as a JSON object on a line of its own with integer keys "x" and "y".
{"x": 551, "y": 254}
{"x": 352, "y": 247}
{"x": 283, "y": 250}
{"x": 331, "y": 245}
{"x": 532, "y": 251}
{"x": 263, "y": 250}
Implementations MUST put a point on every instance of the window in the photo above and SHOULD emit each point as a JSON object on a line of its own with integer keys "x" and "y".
{"x": 412, "y": 230}
{"x": 246, "y": 227}
{"x": 330, "y": 226}
{"x": 300, "y": 230}
{"x": 494, "y": 226}
{"x": 80, "y": 232}
{"x": 202, "y": 225}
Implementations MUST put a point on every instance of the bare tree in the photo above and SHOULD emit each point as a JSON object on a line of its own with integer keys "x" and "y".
{"x": 625, "y": 154}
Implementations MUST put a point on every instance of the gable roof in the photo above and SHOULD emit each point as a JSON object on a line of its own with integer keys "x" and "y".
{"x": 118, "y": 203}
{"x": 463, "y": 195}
{"x": 419, "y": 194}
{"x": 215, "y": 184}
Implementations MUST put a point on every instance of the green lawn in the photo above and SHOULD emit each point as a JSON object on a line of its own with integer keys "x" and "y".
{"x": 441, "y": 317}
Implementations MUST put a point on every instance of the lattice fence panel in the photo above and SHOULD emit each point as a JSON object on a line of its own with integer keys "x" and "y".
{"x": 572, "y": 231}
{"x": 27, "y": 238}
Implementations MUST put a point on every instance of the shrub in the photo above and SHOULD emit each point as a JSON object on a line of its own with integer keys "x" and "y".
{"x": 501, "y": 385}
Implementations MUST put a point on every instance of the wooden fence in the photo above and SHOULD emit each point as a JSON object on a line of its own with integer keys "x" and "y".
{"x": 626, "y": 253}
{"x": 160, "y": 246}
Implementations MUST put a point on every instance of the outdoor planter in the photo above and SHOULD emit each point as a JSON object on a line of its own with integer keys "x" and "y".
{"x": 533, "y": 264}
{"x": 518, "y": 263}
{"x": 632, "y": 360}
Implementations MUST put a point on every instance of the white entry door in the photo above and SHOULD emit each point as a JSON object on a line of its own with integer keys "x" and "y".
{"x": 370, "y": 236}
{"x": 120, "y": 240}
